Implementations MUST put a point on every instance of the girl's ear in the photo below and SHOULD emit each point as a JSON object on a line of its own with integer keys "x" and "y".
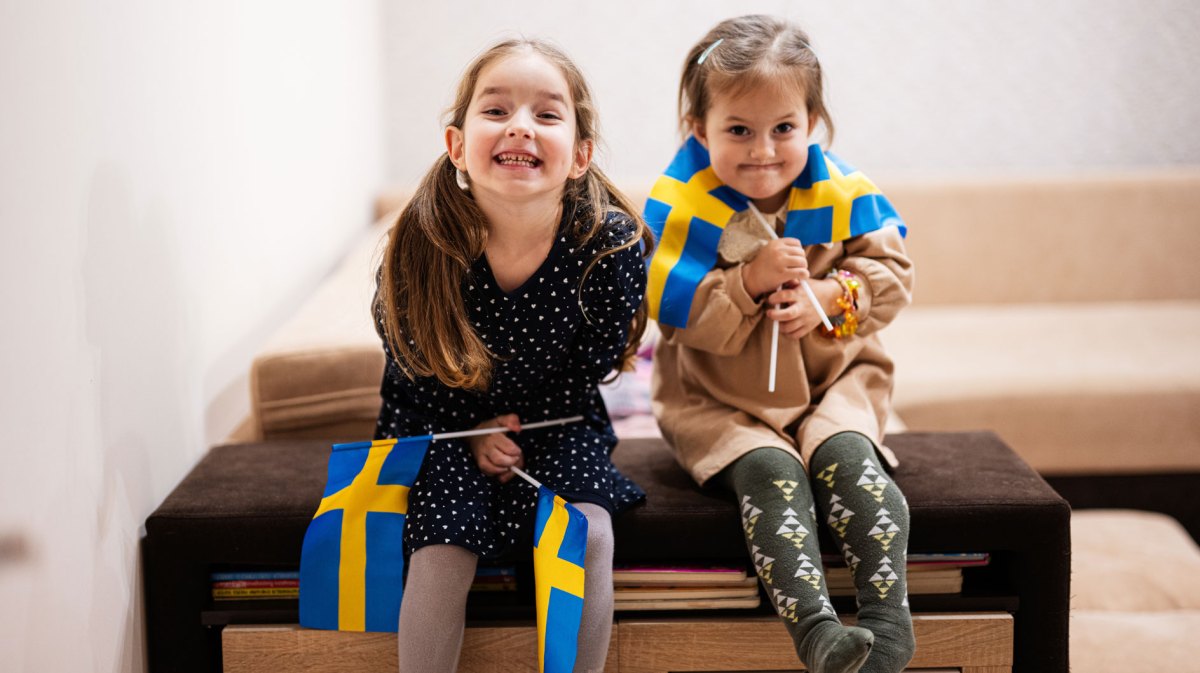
{"x": 698, "y": 130}
{"x": 454, "y": 147}
{"x": 583, "y": 158}
{"x": 813, "y": 118}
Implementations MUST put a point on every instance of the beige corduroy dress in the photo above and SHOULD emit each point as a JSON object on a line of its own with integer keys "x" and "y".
{"x": 709, "y": 388}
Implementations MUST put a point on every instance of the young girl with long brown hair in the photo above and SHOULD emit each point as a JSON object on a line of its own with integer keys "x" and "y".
{"x": 512, "y": 284}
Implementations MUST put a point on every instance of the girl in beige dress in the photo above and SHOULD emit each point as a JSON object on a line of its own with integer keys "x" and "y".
{"x": 750, "y": 96}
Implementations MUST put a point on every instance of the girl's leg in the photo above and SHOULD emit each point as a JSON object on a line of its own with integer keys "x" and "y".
{"x": 869, "y": 518}
{"x": 779, "y": 521}
{"x": 595, "y": 628}
{"x": 433, "y": 612}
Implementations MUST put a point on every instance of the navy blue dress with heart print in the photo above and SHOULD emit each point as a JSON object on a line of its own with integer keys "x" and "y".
{"x": 554, "y": 342}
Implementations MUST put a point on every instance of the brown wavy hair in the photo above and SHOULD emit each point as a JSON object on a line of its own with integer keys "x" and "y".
{"x": 419, "y": 302}
{"x": 755, "y": 50}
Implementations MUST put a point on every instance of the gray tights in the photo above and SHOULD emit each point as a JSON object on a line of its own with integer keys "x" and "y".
{"x": 433, "y": 614}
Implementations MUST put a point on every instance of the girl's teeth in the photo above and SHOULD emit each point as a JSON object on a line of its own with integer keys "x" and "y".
{"x": 520, "y": 161}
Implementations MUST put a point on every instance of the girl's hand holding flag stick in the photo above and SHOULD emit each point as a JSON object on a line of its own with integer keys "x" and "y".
{"x": 501, "y": 428}
{"x": 494, "y": 452}
{"x": 807, "y": 290}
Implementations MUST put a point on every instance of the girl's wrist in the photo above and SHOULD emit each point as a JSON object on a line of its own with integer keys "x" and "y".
{"x": 748, "y": 282}
{"x": 828, "y": 290}
{"x": 845, "y": 319}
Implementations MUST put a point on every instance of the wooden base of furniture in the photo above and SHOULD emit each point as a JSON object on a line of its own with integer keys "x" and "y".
{"x": 288, "y": 648}
{"x": 966, "y": 642}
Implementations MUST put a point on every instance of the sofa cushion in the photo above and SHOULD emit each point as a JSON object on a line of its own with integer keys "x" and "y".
{"x": 318, "y": 375}
{"x": 1134, "y": 642}
{"x": 1073, "y": 388}
{"x": 1132, "y": 561}
{"x": 1079, "y": 238}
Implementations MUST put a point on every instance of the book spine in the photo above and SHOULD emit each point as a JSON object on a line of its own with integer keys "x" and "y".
{"x": 264, "y": 592}
{"x": 254, "y": 575}
{"x": 259, "y": 584}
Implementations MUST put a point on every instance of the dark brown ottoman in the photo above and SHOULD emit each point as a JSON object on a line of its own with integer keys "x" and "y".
{"x": 250, "y": 504}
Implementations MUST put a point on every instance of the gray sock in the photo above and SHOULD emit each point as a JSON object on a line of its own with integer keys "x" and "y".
{"x": 595, "y": 628}
{"x": 869, "y": 519}
{"x": 779, "y": 522}
{"x": 434, "y": 610}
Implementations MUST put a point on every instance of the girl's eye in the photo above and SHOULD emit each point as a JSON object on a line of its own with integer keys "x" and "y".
{"x": 786, "y": 127}
{"x": 550, "y": 115}
{"x": 739, "y": 130}
{"x": 493, "y": 112}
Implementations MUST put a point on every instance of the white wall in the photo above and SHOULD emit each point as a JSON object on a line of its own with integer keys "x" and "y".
{"x": 174, "y": 177}
{"x": 916, "y": 87}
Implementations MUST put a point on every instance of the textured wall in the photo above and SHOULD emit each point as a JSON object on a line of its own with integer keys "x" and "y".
{"x": 919, "y": 87}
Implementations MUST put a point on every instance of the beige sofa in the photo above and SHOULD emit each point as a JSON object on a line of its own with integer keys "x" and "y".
{"x": 1063, "y": 313}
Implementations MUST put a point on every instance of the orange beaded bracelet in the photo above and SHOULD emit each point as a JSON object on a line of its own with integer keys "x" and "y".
{"x": 847, "y": 323}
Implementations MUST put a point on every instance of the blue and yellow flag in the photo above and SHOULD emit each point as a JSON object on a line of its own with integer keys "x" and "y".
{"x": 352, "y": 562}
{"x": 559, "y": 546}
{"x": 689, "y": 207}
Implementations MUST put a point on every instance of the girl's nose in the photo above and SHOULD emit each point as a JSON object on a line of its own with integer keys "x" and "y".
{"x": 763, "y": 149}
{"x": 520, "y": 126}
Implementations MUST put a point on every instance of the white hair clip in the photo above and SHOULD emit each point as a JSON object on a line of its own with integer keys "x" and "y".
{"x": 708, "y": 51}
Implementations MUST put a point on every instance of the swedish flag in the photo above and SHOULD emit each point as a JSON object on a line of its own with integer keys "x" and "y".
{"x": 352, "y": 561}
{"x": 560, "y": 543}
{"x": 689, "y": 207}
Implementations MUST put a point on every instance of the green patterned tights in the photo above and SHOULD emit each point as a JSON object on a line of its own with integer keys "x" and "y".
{"x": 867, "y": 517}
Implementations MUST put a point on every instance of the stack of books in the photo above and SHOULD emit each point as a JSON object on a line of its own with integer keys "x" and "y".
{"x": 683, "y": 588}
{"x": 242, "y": 585}
{"x": 708, "y": 588}
{"x": 255, "y": 585}
{"x": 649, "y": 587}
{"x": 927, "y": 573}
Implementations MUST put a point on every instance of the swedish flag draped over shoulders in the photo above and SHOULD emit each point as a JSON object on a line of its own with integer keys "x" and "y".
{"x": 689, "y": 207}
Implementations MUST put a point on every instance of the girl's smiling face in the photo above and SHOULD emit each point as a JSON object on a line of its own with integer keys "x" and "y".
{"x": 758, "y": 141}
{"x": 519, "y": 140}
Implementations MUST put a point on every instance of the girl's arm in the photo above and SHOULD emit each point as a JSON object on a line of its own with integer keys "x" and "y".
{"x": 881, "y": 262}
{"x": 722, "y": 316}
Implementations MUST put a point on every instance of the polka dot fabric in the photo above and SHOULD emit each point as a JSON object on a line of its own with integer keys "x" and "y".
{"x": 554, "y": 342}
